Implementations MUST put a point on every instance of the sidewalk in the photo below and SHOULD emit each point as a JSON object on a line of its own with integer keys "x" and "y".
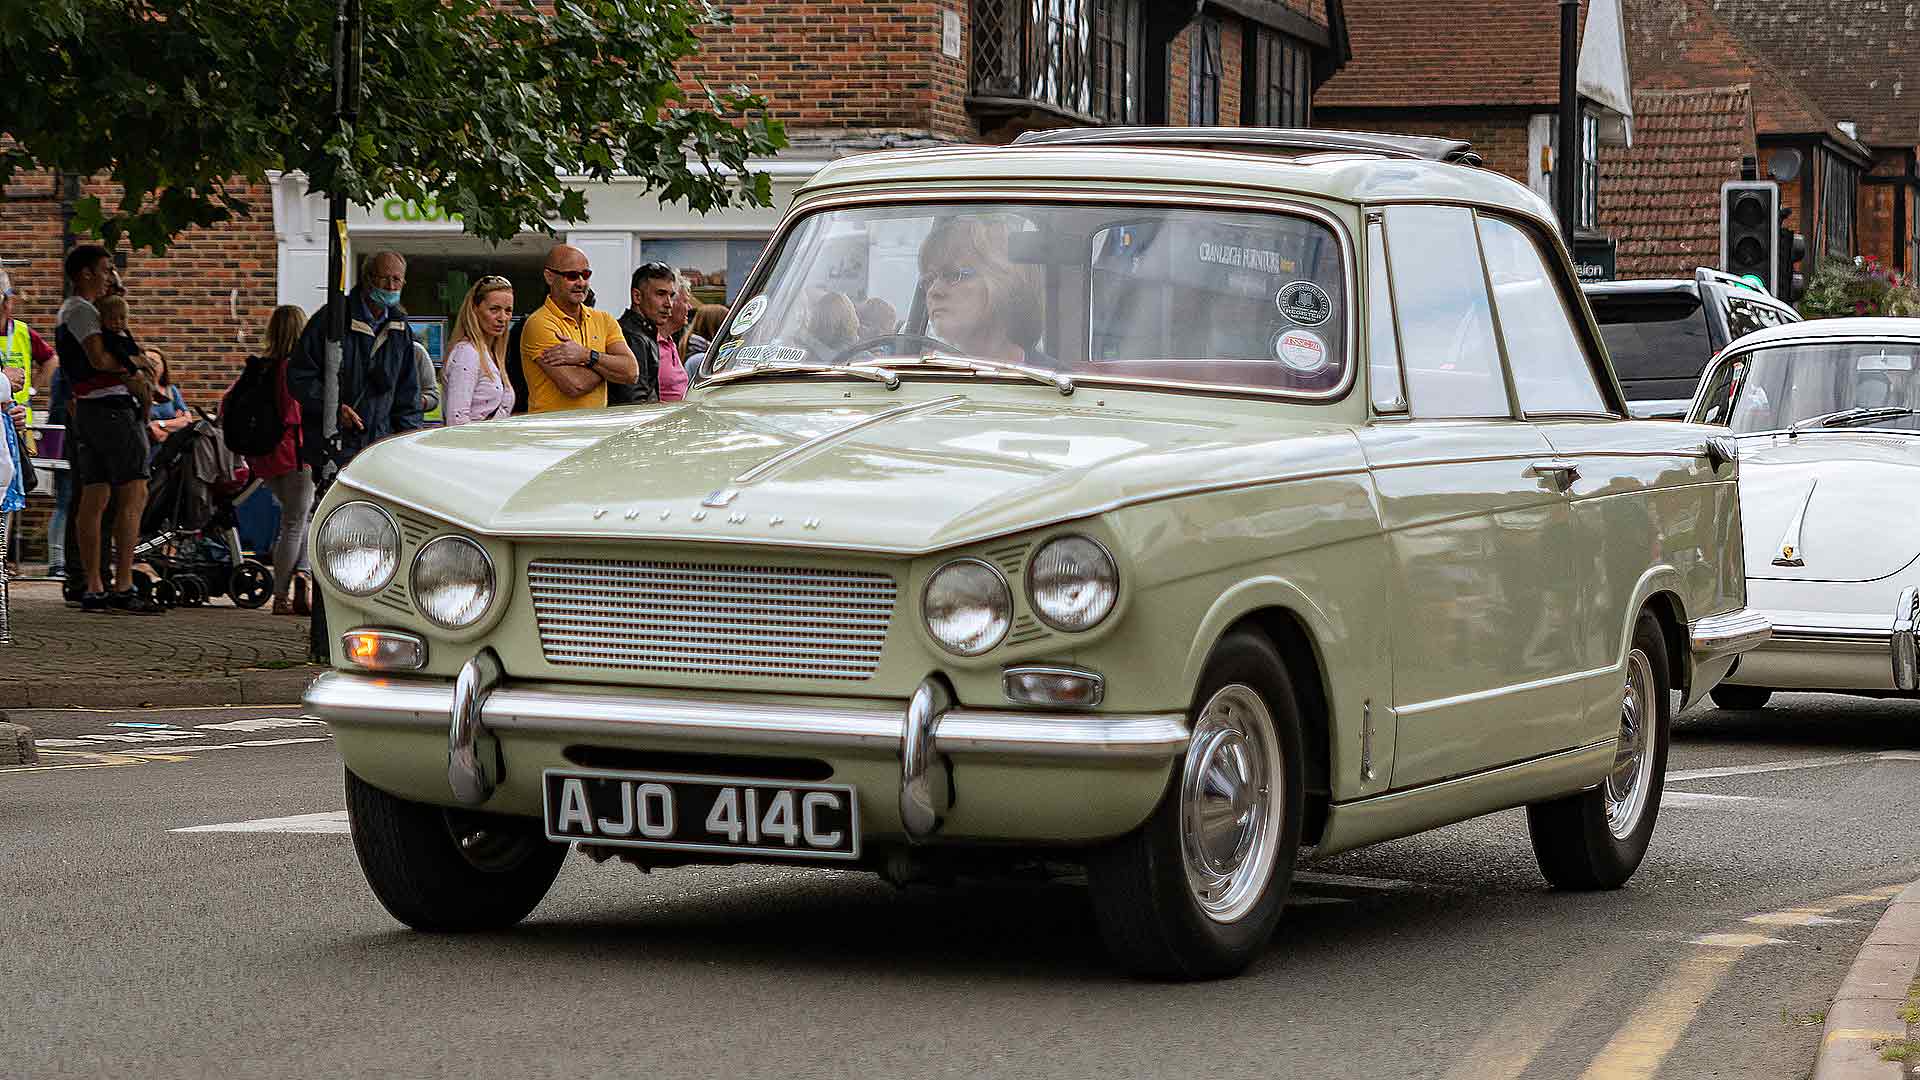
{"x": 213, "y": 655}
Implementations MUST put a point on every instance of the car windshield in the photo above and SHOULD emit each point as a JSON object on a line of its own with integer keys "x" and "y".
{"x": 1773, "y": 389}
{"x": 1230, "y": 298}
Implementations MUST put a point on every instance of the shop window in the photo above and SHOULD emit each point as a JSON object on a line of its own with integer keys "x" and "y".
{"x": 1116, "y": 61}
{"x": 1279, "y": 78}
{"x": 1075, "y": 56}
{"x": 1203, "y": 74}
{"x": 1589, "y": 170}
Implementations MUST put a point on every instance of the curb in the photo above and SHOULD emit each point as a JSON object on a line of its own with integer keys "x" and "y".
{"x": 264, "y": 686}
{"x": 1866, "y": 1012}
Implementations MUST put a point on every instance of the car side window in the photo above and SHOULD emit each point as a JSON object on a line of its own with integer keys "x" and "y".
{"x": 1551, "y": 372}
{"x": 1383, "y": 339}
{"x": 1745, "y": 316}
{"x": 1446, "y": 320}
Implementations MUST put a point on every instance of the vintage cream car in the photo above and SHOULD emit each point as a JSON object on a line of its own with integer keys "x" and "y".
{"x": 1829, "y": 440}
{"x": 1180, "y": 503}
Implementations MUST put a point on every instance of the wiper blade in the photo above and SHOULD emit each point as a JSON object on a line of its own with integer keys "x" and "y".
{"x": 1849, "y": 418}
{"x": 869, "y": 372}
{"x": 1059, "y": 382}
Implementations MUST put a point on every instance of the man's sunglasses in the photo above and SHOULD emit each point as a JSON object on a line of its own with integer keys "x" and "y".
{"x": 572, "y": 275}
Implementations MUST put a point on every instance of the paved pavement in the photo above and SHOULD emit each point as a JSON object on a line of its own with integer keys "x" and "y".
{"x": 212, "y": 655}
{"x": 254, "y": 948}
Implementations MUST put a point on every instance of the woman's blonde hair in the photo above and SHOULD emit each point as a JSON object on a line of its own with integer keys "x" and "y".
{"x": 1012, "y": 291}
{"x": 466, "y": 326}
{"x": 283, "y": 332}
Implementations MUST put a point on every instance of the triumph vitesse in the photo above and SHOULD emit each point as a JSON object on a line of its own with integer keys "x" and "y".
{"x": 1181, "y": 503}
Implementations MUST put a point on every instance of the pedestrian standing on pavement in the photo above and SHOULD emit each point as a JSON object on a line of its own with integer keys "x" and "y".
{"x": 476, "y": 387}
{"x": 429, "y": 379}
{"x": 13, "y": 495}
{"x": 108, "y": 423}
{"x": 60, "y": 414}
{"x": 652, "y": 297}
{"x": 281, "y": 468}
{"x": 27, "y": 361}
{"x": 673, "y": 368}
{"x": 569, "y": 352}
{"x": 379, "y": 381}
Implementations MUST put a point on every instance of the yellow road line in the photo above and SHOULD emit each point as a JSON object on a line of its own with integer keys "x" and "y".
{"x": 1509, "y": 1044}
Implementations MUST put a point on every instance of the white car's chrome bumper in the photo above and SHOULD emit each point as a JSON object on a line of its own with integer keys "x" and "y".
{"x": 1840, "y": 655}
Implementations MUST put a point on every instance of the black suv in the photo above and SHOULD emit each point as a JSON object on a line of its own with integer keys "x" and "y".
{"x": 1661, "y": 333}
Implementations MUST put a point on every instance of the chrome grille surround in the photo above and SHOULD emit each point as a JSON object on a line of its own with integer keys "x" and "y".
{"x": 711, "y": 618}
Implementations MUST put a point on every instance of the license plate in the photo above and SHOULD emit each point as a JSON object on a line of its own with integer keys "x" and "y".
{"x": 702, "y": 813}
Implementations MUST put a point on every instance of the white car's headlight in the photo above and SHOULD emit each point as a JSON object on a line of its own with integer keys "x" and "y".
{"x": 968, "y": 607}
{"x": 359, "y": 546}
{"x": 452, "y": 581}
{"x": 1073, "y": 583}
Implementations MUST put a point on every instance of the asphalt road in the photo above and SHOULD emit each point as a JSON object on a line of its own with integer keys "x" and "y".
{"x": 129, "y": 948}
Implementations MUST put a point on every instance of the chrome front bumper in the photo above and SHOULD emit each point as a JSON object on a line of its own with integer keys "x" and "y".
{"x": 925, "y": 731}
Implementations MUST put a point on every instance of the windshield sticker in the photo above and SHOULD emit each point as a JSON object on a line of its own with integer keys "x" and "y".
{"x": 1271, "y": 262}
{"x": 1304, "y": 303}
{"x": 1301, "y": 350}
{"x": 750, "y": 314}
{"x": 725, "y": 355}
{"x": 771, "y": 354}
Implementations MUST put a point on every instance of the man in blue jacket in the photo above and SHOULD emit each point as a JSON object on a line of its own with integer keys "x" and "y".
{"x": 379, "y": 385}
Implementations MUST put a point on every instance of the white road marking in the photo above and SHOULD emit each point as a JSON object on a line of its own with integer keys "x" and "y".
{"x": 1671, "y": 799}
{"x": 262, "y": 723}
{"x": 1780, "y": 766}
{"x": 237, "y": 745}
{"x": 332, "y": 821}
{"x": 1736, "y": 941}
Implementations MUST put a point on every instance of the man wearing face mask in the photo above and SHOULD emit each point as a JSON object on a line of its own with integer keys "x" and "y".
{"x": 379, "y": 382}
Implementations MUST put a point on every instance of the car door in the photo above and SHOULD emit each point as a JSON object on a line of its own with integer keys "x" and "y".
{"x": 1481, "y": 592}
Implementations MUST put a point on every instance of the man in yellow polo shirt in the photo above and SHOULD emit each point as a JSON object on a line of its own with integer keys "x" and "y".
{"x": 568, "y": 351}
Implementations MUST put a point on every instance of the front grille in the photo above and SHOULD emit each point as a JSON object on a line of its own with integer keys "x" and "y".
{"x": 711, "y": 618}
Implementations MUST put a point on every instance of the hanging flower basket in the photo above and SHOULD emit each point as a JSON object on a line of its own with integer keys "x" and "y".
{"x": 1860, "y": 287}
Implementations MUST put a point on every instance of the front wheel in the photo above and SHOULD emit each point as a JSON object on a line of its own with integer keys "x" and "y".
{"x": 1596, "y": 839}
{"x": 437, "y": 869}
{"x": 1740, "y": 698}
{"x": 1196, "y": 892}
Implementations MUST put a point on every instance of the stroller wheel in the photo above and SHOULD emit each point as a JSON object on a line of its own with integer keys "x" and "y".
{"x": 193, "y": 591}
{"x": 166, "y": 593}
{"x": 251, "y": 584}
{"x": 143, "y": 584}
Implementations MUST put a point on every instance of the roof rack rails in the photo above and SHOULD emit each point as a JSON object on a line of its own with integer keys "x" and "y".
{"x": 1455, "y": 151}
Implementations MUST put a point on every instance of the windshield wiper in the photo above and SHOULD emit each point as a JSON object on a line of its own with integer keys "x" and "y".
{"x": 866, "y": 371}
{"x": 1059, "y": 382}
{"x": 1853, "y": 417}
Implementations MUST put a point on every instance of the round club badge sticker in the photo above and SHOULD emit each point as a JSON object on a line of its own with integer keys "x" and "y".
{"x": 750, "y": 314}
{"x": 1302, "y": 350}
{"x": 1304, "y": 303}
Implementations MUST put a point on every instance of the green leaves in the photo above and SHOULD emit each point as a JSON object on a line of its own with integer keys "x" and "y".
{"x": 472, "y": 106}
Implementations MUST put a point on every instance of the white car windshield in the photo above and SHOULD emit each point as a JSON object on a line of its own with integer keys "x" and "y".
{"x": 1239, "y": 299}
{"x": 1839, "y": 385}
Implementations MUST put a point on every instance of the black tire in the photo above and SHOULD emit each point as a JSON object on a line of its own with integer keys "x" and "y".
{"x": 418, "y": 868}
{"x": 1574, "y": 842}
{"x": 250, "y": 585}
{"x": 1149, "y": 914}
{"x": 1740, "y": 698}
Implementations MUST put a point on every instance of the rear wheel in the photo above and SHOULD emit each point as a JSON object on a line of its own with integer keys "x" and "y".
{"x": 1596, "y": 839}
{"x": 1196, "y": 892}
{"x": 437, "y": 869}
{"x": 1740, "y": 698}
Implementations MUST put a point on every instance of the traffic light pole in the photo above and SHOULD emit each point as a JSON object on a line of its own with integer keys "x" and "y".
{"x": 1566, "y": 151}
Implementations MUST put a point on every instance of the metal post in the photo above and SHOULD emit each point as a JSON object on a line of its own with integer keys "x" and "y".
{"x": 1566, "y": 151}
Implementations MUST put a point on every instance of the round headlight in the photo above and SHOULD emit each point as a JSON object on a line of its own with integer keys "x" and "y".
{"x": 1073, "y": 583}
{"x": 452, "y": 581}
{"x": 968, "y": 607}
{"x": 360, "y": 547}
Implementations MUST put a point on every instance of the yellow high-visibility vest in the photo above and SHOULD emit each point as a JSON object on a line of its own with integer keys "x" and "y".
{"x": 19, "y": 353}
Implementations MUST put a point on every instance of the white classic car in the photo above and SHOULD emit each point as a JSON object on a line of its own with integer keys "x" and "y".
{"x": 1825, "y": 415}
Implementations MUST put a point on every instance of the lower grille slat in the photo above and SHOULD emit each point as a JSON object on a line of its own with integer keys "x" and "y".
{"x": 711, "y": 619}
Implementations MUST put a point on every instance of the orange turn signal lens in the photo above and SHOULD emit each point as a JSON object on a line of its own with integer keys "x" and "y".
{"x": 384, "y": 650}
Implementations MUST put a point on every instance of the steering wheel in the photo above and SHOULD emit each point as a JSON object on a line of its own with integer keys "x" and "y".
{"x": 898, "y": 341}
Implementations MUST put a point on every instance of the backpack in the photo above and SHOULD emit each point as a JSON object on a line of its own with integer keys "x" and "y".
{"x": 250, "y": 416}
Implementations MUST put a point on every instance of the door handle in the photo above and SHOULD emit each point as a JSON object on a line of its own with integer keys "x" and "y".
{"x": 1559, "y": 470}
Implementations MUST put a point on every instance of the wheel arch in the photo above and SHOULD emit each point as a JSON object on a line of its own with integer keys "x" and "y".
{"x": 1671, "y": 613}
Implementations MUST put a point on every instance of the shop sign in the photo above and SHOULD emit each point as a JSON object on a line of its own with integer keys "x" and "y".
{"x": 407, "y": 210}
{"x": 1594, "y": 259}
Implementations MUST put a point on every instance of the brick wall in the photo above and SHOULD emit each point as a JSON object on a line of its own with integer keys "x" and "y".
{"x": 1499, "y": 136}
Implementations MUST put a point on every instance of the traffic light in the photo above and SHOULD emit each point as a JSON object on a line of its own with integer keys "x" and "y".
{"x": 1750, "y": 230}
{"x": 1793, "y": 250}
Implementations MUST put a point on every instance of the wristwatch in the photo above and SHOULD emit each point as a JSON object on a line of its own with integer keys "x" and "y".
{"x": 593, "y": 359}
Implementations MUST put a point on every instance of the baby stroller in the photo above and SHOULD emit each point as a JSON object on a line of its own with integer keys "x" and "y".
{"x": 189, "y": 534}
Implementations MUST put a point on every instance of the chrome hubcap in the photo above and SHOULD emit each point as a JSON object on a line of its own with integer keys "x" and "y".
{"x": 1631, "y": 779}
{"x": 1230, "y": 799}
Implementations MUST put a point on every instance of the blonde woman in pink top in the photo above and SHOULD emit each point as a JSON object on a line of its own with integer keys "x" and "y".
{"x": 476, "y": 387}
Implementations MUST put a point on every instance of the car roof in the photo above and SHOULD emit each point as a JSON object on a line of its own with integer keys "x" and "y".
{"x": 1607, "y": 290}
{"x": 1386, "y": 174}
{"x": 1819, "y": 329}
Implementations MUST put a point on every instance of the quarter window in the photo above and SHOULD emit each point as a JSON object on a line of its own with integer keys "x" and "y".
{"x": 1550, "y": 369}
{"x": 1446, "y": 321}
{"x": 1383, "y": 341}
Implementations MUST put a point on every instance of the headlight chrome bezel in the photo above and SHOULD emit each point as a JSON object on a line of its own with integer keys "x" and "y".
{"x": 1032, "y": 584}
{"x": 490, "y": 585}
{"x": 1006, "y": 614}
{"x": 326, "y": 561}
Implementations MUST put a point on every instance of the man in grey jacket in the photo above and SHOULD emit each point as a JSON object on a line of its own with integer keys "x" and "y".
{"x": 429, "y": 381}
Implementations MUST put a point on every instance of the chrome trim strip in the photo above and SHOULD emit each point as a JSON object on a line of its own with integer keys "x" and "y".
{"x": 1789, "y": 547}
{"x": 1727, "y": 633}
{"x": 350, "y": 697}
{"x": 819, "y": 442}
{"x": 1388, "y": 798}
{"x": 465, "y": 774}
{"x": 1415, "y": 710}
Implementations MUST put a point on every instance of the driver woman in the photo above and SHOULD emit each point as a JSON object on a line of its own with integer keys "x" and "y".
{"x": 977, "y": 299}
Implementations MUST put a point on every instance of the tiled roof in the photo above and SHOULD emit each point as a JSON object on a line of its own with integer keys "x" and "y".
{"x": 1661, "y": 199}
{"x": 1463, "y": 52}
{"x": 1859, "y": 60}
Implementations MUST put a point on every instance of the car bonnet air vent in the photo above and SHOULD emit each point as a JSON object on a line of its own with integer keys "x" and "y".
{"x": 1258, "y": 140}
